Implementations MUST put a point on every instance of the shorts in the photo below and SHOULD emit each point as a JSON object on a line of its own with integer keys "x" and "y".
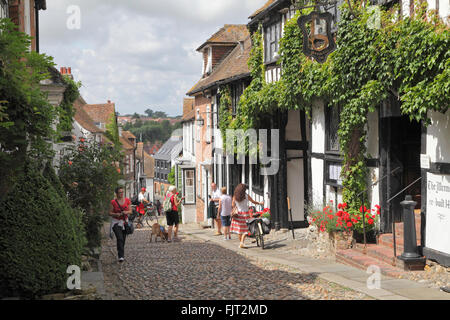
{"x": 226, "y": 221}
{"x": 172, "y": 218}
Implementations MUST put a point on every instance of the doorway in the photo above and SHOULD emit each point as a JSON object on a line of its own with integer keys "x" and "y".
{"x": 400, "y": 146}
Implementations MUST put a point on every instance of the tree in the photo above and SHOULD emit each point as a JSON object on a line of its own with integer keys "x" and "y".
{"x": 89, "y": 174}
{"x": 149, "y": 113}
{"x": 160, "y": 114}
{"x": 136, "y": 116}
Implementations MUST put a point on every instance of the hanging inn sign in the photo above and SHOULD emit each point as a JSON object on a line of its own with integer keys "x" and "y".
{"x": 318, "y": 41}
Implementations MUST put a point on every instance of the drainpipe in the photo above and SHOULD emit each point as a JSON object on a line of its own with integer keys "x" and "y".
{"x": 37, "y": 7}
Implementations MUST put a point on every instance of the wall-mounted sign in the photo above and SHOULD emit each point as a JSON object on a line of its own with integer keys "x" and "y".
{"x": 438, "y": 212}
{"x": 318, "y": 41}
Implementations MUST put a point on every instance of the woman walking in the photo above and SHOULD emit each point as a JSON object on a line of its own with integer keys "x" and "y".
{"x": 224, "y": 210}
{"x": 172, "y": 215}
{"x": 119, "y": 210}
{"x": 240, "y": 201}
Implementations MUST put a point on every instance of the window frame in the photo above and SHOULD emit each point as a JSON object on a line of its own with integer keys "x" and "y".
{"x": 328, "y": 133}
{"x": 272, "y": 36}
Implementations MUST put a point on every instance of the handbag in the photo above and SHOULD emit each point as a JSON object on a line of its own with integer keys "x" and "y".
{"x": 129, "y": 226}
{"x": 234, "y": 213}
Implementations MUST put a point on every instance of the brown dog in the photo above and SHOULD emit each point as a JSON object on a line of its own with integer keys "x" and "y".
{"x": 156, "y": 230}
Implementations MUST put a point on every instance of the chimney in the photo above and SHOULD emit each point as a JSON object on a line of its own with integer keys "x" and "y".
{"x": 67, "y": 71}
{"x": 109, "y": 101}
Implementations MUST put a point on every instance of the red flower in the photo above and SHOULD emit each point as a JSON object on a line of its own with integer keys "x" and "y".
{"x": 349, "y": 224}
{"x": 344, "y": 205}
{"x": 370, "y": 221}
{"x": 70, "y": 163}
{"x": 82, "y": 140}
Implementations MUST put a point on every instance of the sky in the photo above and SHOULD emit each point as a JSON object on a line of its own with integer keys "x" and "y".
{"x": 140, "y": 54}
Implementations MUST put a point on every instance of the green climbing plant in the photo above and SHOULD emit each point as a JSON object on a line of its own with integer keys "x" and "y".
{"x": 408, "y": 58}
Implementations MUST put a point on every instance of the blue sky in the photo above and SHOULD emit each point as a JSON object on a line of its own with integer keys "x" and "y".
{"x": 139, "y": 54}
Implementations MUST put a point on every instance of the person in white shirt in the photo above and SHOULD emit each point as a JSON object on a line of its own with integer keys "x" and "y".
{"x": 224, "y": 211}
{"x": 215, "y": 197}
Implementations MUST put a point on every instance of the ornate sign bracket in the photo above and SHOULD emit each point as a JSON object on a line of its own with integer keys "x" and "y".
{"x": 318, "y": 41}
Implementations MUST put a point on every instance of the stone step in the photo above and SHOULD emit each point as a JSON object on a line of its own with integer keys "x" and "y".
{"x": 382, "y": 253}
{"x": 387, "y": 240}
{"x": 359, "y": 260}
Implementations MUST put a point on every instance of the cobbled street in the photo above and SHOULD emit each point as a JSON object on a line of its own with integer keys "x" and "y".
{"x": 195, "y": 269}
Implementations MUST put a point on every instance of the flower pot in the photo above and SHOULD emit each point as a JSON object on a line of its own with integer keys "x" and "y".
{"x": 371, "y": 236}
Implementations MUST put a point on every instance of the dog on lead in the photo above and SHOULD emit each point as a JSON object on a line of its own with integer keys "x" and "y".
{"x": 158, "y": 231}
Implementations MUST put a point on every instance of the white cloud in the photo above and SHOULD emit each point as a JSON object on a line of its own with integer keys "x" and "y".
{"x": 139, "y": 54}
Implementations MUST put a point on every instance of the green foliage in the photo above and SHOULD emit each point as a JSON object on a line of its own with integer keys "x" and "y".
{"x": 26, "y": 116}
{"x": 171, "y": 176}
{"x": 89, "y": 175}
{"x": 153, "y": 131}
{"x": 41, "y": 235}
{"x": 409, "y": 58}
{"x": 66, "y": 111}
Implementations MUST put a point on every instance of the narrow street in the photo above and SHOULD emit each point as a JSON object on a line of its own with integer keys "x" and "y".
{"x": 197, "y": 269}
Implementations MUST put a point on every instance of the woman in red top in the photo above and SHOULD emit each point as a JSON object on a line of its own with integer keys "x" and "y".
{"x": 172, "y": 216}
{"x": 119, "y": 210}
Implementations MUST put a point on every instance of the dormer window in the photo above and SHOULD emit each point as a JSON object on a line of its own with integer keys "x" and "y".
{"x": 208, "y": 62}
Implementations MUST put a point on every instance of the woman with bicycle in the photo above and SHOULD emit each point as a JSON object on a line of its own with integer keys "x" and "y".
{"x": 141, "y": 208}
{"x": 240, "y": 204}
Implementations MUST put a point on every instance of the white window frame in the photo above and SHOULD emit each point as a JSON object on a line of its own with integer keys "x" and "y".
{"x": 208, "y": 124}
{"x": 189, "y": 191}
{"x": 197, "y": 126}
{"x": 27, "y": 17}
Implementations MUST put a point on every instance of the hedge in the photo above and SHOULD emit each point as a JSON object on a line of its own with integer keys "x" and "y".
{"x": 41, "y": 235}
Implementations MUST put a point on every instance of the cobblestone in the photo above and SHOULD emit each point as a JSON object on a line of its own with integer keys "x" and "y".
{"x": 200, "y": 270}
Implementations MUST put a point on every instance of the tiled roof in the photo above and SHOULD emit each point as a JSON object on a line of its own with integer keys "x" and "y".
{"x": 83, "y": 118}
{"x": 232, "y": 67}
{"x": 126, "y": 144}
{"x": 139, "y": 150}
{"x": 101, "y": 112}
{"x": 173, "y": 146}
{"x": 188, "y": 109}
{"x": 228, "y": 34}
{"x": 264, "y": 7}
{"x": 149, "y": 166}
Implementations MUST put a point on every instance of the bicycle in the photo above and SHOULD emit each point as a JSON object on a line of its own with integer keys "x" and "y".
{"x": 257, "y": 227}
{"x": 148, "y": 218}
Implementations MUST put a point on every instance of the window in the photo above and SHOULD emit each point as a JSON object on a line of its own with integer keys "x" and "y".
{"x": 208, "y": 124}
{"x": 198, "y": 126}
{"x": 272, "y": 35}
{"x": 4, "y": 9}
{"x": 257, "y": 179}
{"x": 332, "y": 116}
{"x": 189, "y": 186}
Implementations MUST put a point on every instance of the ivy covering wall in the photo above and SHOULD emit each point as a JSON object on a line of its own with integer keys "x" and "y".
{"x": 408, "y": 58}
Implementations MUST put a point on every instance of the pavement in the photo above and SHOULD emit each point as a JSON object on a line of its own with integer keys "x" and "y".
{"x": 327, "y": 269}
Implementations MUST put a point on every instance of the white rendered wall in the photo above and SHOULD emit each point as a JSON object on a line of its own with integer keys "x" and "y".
{"x": 438, "y": 137}
{"x": 318, "y": 127}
